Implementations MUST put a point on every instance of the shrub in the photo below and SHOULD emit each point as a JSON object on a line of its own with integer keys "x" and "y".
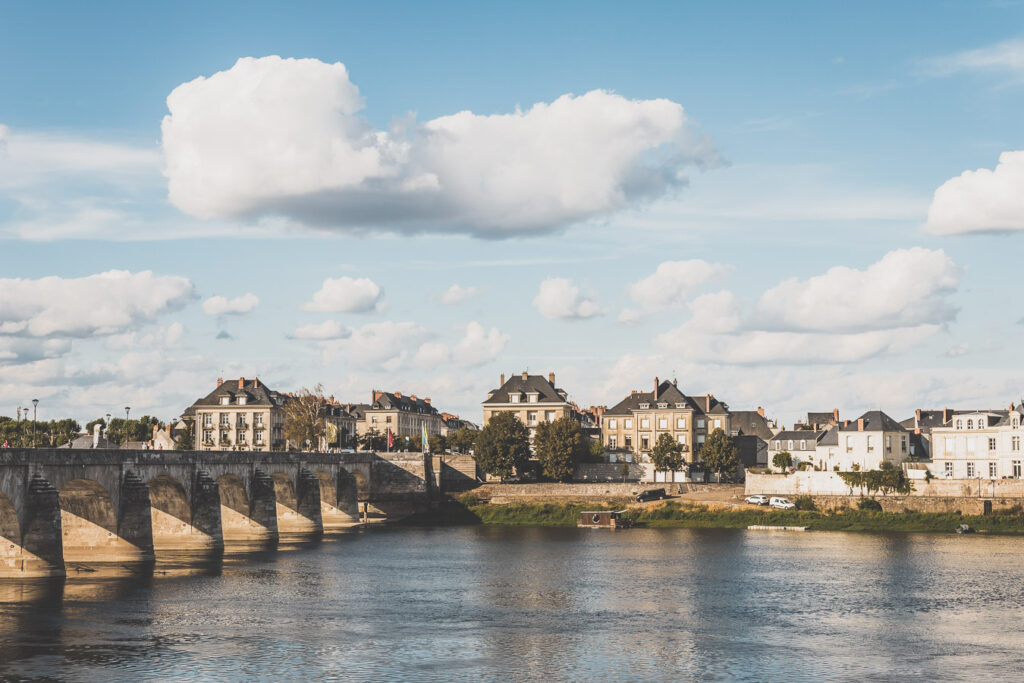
{"x": 804, "y": 503}
{"x": 804, "y": 466}
{"x": 469, "y": 499}
{"x": 869, "y": 504}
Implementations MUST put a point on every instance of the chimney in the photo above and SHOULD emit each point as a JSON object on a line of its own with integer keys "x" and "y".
{"x": 945, "y": 415}
{"x": 255, "y": 382}
{"x": 398, "y": 394}
{"x": 917, "y": 430}
{"x": 412, "y": 397}
{"x": 835, "y": 415}
{"x": 502, "y": 380}
{"x": 525, "y": 375}
{"x": 220, "y": 380}
{"x": 846, "y": 423}
{"x": 656, "y": 385}
{"x": 760, "y": 411}
{"x": 375, "y": 395}
{"x": 241, "y": 383}
{"x": 675, "y": 382}
{"x": 551, "y": 378}
{"x": 427, "y": 401}
{"x": 707, "y": 402}
{"x": 917, "y": 415}
{"x": 860, "y": 424}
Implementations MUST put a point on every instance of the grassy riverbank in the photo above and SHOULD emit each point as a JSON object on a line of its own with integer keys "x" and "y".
{"x": 673, "y": 514}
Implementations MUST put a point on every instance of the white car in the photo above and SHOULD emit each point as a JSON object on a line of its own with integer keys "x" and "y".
{"x": 757, "y": 500}
{"x": 781, "y": 504}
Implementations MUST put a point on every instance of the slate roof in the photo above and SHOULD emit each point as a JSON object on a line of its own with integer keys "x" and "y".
{"x": 830, "y": 437}
{"x": 545, "y": 390}
{"x": 874, "y": 421}
{"x": 668, "y": 393}
{"x": 820, "y": 418}
{"x": 384, "y": 400}
{"x": 798, "y": 435}
{"x": 929, "y": 419}
{"x": 750, "y": 423}
{"x": 256, "y": 394}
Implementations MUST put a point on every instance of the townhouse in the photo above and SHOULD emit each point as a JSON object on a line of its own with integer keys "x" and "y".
{"x": 978, "y": 444}
{"x": 242, "y": 414}
{"x": 863, "y": 444}
{"x": 531, "y": 398}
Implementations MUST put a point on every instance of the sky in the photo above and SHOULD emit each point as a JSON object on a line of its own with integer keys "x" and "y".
{"x": 798, "y": 206}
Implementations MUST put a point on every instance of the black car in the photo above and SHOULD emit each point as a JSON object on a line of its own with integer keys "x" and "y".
{"x": 650, "y": 494}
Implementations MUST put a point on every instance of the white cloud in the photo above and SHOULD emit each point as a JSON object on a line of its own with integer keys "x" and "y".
{"x": 981, "y": 200}
{"x": 477, "y": 347}
{"x": 328, "y": 329}
{"x": 456, "y": 294}
{"x": 113, "y": 302}
{"x": 346, "y": 295}
{"x": 1007, "y": 56}
{"x": 386, "y": 345}
{"x": 907, "y": 287}
{"x": 219, "y": 305}
{"x": 559, "y": 298}
{"x": 274, "y": 136}
{"x": 674, "y": 283}
{"x": 958, "y": 350}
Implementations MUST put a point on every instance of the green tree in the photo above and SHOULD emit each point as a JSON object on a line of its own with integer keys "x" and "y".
{"x": 720, "y": 455}
{"x": 462, "y": 441}
{"x": 783, "y": 460}
{"x": 373, "y": 440}
{"x": 437, "y": 443}
{"x": 667, "y": 454}
{"x": 560, "y": 445}
{"x": 305, "y": 418}
{"x": 59, "y": 432}
{"x": 503, "y": 446}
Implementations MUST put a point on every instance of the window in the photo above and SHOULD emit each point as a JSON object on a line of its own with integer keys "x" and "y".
{"x": 549, "y": 416}
{"x": 849, "y": 444}
{"x": 613, "y": 441}
{"x": 981, "y": 423}
{"x": 513, "y": 398}
{"x": 949, "y": 470}
{"x": 970, "y": 470}
{"x": 718, "y": 423}
{"x": 223, "y": 436}
{"x": 662, "y": 423}
{"x": 662, "y": 406}
{"x": 789, "y": 444}
{"x": 959, "y": 424}
{"x": 531, "y": 417}
{"x": 681, "y": 423}
{"x": 628, "y": 439}
{"x": 1016, "y": 422}
{"x": 903, "y": 444}
{"x": 532, "y": 398}
{"x": 258, "y": 418}
{"x": 991, "y": 443}
{"x": 680, "y": 405}
{"x": 628, "y": 423}
{"x": 387, "y": 419}
{"x": 207, "y": 419}
{"x": 241, "y": 437}
{"x": 992, "y": 470}
{"x": 970, "y": 424}
{"x": 613, "y": 424}
{"x": 1016, "y": 469}
{"x": 888, "y": 443}
{"x": 241, "y": 400}
{"x": 645, "y": 423}
{"x": 373, "y": 419}
{"x": 645, "y": 406}
{"x": 207, "y": 436}
{"x": 224, "y": 419}
{"x": 644, "y": 442}
{"x": 225, "y": 400}
{"x": 1015, "y": 443}
{"x": 258, "y": 438}
{"x": 803, "y": 444}
{"x": 700, "y": 424}
{"x": 871, "y": 444}
{"x": 700, "y": 439}
{"x": 681, "y": 439}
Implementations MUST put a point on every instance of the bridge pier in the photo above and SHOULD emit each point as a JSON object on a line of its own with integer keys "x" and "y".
{"x": 180, "y": 524}
{"x": 93, "y": 531}
{"x": 339, "y": 507}
{"x": 298, "y": 504}
{"x": 247, "y": 518}
{"x": 34, "y": 547}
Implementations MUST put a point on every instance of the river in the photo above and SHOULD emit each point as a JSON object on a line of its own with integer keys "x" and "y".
{"x": 499, "y": 603}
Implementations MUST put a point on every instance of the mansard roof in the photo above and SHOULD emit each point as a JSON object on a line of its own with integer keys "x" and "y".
{"x": 384, "y": 400}
{"x": 531, "y": 384}
{"x": 668, "y": 393}
{"x": 874, "y": 421}
{"x": 750, "y": 423}
{"x": 256, "y": 394}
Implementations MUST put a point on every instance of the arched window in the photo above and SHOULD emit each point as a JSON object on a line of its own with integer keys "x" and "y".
{"x": 981, "y": 423}
{"x": 959, "y": 424}
{"x": 970, "y": 424}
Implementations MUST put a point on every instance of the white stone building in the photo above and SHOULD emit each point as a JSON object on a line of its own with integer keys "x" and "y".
{"x": 979, "y": 444}
{"x": 863, "y": 444}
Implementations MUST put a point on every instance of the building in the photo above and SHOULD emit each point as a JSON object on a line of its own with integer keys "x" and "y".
{"x": 453, "y": 423}
{"x": 634, "y": 424}
{"x": 978, "y": 444}
{"x": 752, "y": 432}
{"x": 802, "y": 444}
{"x": 404, "y": 415}
{"x": 532, "y": 398}
{"x": 819, "y": 422}
{"x": 242, "y": 414}
{"x": 340, "y": 429}
{"x": 863, "y": 444}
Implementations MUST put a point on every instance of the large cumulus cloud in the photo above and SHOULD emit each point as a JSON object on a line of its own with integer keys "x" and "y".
{"x": 283, "y": 137}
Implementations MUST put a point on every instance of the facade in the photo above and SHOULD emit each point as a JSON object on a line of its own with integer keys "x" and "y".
{"x": 453, "y": 423}
{"x": 240, "y": 415}
{"x": 863, "y": 444}
{"x": 752, "y": 432}
{"x": 979, "y": 444}
{"x": 802, "y": 444}
{"x": 634, "y": 424}
{"x": 404, "y": 415}
{"x": 341, "y": 426}
{"x": 532, "y": 398}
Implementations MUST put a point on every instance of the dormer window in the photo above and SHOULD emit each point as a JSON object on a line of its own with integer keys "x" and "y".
{"x": 970, "y": 424}
{"x": 645, "y": 406}
{"x": 981, "y": 423}
{"x": 680, "y": 405}
{"x": 959, "y": 424}
{"x": 532, "y": 398}
{"x": 513, "y": 398}
{"x": 225, "y": 400}
{"x": 662, "y": 405}
{"x": 241, "y": 400}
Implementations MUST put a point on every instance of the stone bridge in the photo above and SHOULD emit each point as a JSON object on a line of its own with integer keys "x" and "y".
{"x": 63, "y": 507}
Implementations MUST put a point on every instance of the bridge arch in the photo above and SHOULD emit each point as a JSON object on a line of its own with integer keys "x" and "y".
{"x": 298, "y": 503}
{"x": 182, "y": 521}
{"x": 244, "y": 518}
{"x": 94, "y": 531}
{"x": 338, "y": 507}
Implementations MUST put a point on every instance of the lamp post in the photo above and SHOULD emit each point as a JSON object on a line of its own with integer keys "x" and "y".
{"x": 126, "y": 409}
{"x": 106, "y": 431}
{"x": 35, "y": 403}
{"x": 21, "y": 439}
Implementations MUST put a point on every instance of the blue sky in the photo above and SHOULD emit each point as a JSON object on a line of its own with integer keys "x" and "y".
{"x": 766, "y": 201}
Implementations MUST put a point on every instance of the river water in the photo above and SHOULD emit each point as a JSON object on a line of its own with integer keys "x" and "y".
{"x": 499, "y": 603}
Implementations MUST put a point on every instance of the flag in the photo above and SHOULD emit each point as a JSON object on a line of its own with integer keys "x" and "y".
{"x": 425, "y": 440}
{"x": 391, "y": 439}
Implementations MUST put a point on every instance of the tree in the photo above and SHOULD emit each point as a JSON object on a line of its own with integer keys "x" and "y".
{"x": 462, "y": 441}
{"x": 305, "y": 418}
{"x": 503, "y": 446}
{"x": 437, "y": 443}
{"x": 560, "y": 445}
{"x": 373, "y": 440}
{"x": 667, "y": 454}
{"x": 720, "y": 455}
{"x": 783, "y": 460}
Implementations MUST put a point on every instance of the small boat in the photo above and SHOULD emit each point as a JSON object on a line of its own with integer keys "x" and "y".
{"x": 603, "y": 519}
{"x": 964, "y": 529}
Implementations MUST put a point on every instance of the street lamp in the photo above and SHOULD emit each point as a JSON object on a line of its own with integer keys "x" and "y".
{"x": 35, "y": 403}
{"x": 106, "y": 431}
{"x": 126, "y": 409}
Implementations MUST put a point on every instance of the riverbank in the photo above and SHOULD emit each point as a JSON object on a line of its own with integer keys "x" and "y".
{"x": 673, "y": 514}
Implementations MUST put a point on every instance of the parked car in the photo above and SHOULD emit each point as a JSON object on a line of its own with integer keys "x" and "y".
{"x": 650, "y": 494}
{"x": 781, "y": 504}
{"x": 757, "y": 500}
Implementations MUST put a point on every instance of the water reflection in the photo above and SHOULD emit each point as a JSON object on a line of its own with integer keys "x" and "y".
{"x": 498, "y": 603}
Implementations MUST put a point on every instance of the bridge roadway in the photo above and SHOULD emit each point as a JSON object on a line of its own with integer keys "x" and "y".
{"x": 69, "y": 506}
